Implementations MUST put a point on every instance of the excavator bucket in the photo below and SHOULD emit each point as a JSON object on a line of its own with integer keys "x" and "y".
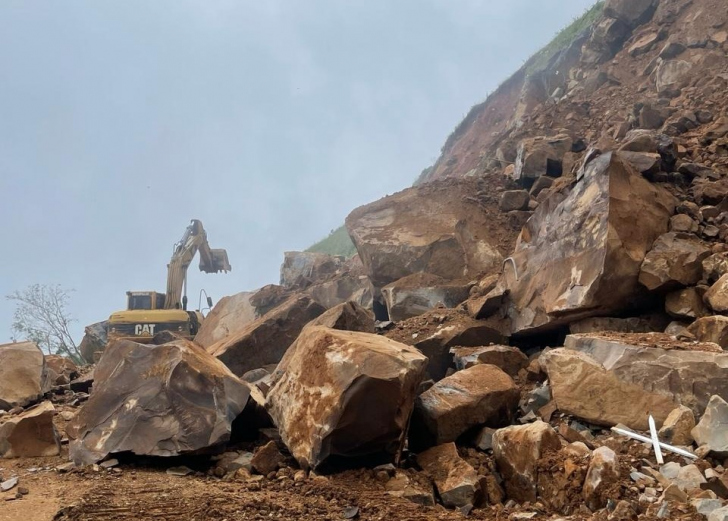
{"x": 217, "y": 261}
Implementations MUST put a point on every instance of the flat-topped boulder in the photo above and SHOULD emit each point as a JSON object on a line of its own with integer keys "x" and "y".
{"x": 30, "y": 434}
{"x": 266, "y": 339}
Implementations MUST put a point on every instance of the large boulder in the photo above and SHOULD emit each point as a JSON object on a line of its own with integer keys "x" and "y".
{"x": 447, "y": 228}
{"x": 301, "y": 269}
{"x": 23, "y": 375}
{"x": 233, "y": 313}
{"x": 342, "y": 394}
{"x": 162, "y": 400}
{"x": 63, "y": 367}
{"x": 416, "y": 294}
{"x": 435, "y": 332}
{"x": 517, "y": 450}
{"x": 480, "y": 395}
{"x": 684, "y": 375}
{"x": 582, "y": 387}
{"x": 30, "y": 434}
{"x": 347, "y": 287}
{"x": 711, "y": 329}
{"x": 456, "y": 481}
{"x": 675, "y": 260}
{"x": 580, "y": 254}
{"x": 348, "y": 316}
{"x": 265, "y": 340}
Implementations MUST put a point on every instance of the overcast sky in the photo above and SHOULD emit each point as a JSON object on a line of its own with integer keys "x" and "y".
{"x": 269, "y": 120}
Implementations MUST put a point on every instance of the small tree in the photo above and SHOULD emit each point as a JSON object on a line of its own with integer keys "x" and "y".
{"x": 41, "y": 316}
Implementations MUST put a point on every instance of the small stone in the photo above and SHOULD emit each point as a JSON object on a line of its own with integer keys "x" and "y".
{"x": 677, "y": 427}
{"x": 8, "y": 484}
{"x": 683, "y": 223}
{"x": 109, "y": 463}
{"x": 179, "y": 471}
{"x": 267, "y": 459}
{"x": 23, "y": 491}
{"x": 351, "y": 512}
{"x": 711, "y": 431}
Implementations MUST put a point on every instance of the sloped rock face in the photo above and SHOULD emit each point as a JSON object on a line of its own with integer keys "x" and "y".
{"x": 440, "y": 228}
{"x": 584, "y": 388}
{"x": 711, "y": 329}
{"x": 232, "y": 314}
{"x": 31, "y": 434}
{"x": 479, "y": 395}
{"x": 347, "y": 287}
{"x": 517, "y": 450}
{"x": 689, "y": 378}
{"x": 22, "y": 374}
{"x": 265, "y": 340}
{"x": 162, "y": 400}
{"x": 580, "y": 254}
{"x": 301, "y": 269}
{"x": 419, "y": 293}
{"x": 632, "y": 12}
{"x": 341, "y": 394}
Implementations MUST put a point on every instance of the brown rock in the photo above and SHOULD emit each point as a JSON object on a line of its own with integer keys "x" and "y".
{"x": 342, "y": 394}
{"x": 514, "y": 200}
{"x": 23, "y": 378}
{"x": 479, "y": 395}
{"x": 602, "y": 475}
{"x": 348, "y": 316}
{"x": 62, "y": 366}
{"x": 711, "y": 329}
{"x": 456, "y": 481}
{"x": 267, "y": 459}
{"x": 174, "y": 399}
{"x": 94, "y": 341}
{"x": 537, "y": 157}
{"x": 542, "y": 183}
{"x": 686, "y": 303}
{"x": 582, "y": 387}
{"x": 301, "y": 269}
{"x": 632, "y": 12}
{"x": 711, "y": 431}
{"x": 677, "y": 427}
{"x": 232, "y": 314}
{"x": 265, "y": 340}
{"x": 416, "y": 294}
{"x": 30, "y": 434}
{"x": 675, "y": 260}
{"x": 517, "y": 449}
{"x": 687, "y": 377}
{"x": 643, "y": 162}
{"x": 441, "y": 228}
{"x": 509, "y": 359}
{"x": 580, "y": 255}
{"x": 487, "y": 305}
{"x": 683, "y": 223}
{"x": 347, "y": 287}
{"x": 717, "y": 296}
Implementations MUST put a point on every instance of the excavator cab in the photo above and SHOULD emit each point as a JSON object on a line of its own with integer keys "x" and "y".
{"x": 144, "y": 300}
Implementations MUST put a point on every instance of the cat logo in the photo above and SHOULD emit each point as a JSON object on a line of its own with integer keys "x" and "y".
{"x": 144, "y": 329}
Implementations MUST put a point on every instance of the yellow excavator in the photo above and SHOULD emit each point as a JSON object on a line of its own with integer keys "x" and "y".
{"x": 150, "y": 312}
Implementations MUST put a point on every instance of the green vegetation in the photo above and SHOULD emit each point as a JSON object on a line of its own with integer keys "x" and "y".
{"x": 337, "y": 243}
{"x": 564, "y": 38}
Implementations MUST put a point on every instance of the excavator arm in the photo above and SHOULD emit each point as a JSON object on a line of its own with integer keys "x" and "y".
{"x": 211, "y": 261}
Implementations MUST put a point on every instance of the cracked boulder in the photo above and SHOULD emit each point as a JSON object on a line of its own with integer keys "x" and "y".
{"x": 265, "y": 340}
{"x": 477, "y": 396}
{"x": 580, "y": 253}
{"x": 23, "y": 375}
{"x": 164, "y": 400}
{"x": 30, "y": 434}
{"x": 342, "y": 395}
